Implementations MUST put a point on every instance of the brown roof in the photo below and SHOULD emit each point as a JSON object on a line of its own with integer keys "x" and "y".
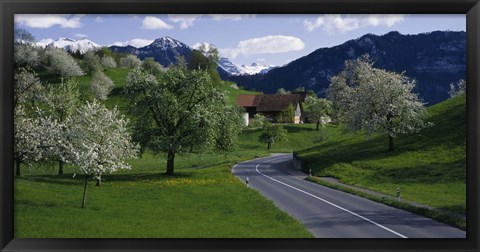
{"x": 270, "y": 102}
{"x": 277, "y": 102}
{"x": 246, "y": 100}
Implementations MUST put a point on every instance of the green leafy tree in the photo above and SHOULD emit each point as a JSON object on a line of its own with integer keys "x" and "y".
{"x": 22, "y": 36}
{"x": 259, "y": 120}
{"x": 63, "y": 99}
{"x": 272, "y": 133}
{"x": 320, "y": 109}
{"x": 376, "y": 100}
{"x": 152, "y": 67}
{"x": 92, "y": 62}
{"x": 282, "y": 91}
{"x": 287, "y": 115}
{"x": 206, "y": 59}
{"x": 181, "y": 111}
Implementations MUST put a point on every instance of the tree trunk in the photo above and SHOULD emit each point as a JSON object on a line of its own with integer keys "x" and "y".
{"x": 85, "y": 191}
{"x": 170, "y": 162}
{"x": 17, "y": 164}
{"x": 99, "y": 180}
{"x": 269, "y": 145}
{"x": 318, "y": 124}
{"x": 390, "y": 143}
{"x": 60, "y": 167}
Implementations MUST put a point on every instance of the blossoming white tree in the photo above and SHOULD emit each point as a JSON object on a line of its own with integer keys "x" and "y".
{"x": 130, "y": 61}
{"x": 100, "y": 142}
{"x": 376, "y": 100}
{"x": 61, "y": 63}
{"x": 459, "y": 88}
{"x": 37, "y": 138}
{"x": 101, "y": 85}
{"x": 108, "y": 62}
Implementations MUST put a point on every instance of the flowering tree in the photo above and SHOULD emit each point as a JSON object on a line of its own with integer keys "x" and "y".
{"x": 100, "y": 142}
{"x": 61, "y": 63}
{"x": 181, "y": 111}
{"x": 27, "y": 87}
{"x": 92, "y": 62}
{"x": 375, "y": 100}
{"x": 101, "y": 85}
{"x": 457, "y": 89}
{"x": 36, "y": 138}
{"x": 130, "y": 61}
{"x": 273, "y": 133}
{"x": 319, "y": 107}
{"x": 108, "y": 62}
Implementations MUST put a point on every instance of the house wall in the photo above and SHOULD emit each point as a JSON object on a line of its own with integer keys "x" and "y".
{"x": 298, "y": 114}
{"x": 246, "y": 119}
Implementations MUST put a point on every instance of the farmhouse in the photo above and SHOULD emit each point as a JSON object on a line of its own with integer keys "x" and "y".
{"x": 270, "y": 105}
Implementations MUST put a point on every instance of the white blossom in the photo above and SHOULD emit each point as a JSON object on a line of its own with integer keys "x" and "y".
{"x": 101, "y": 85}
{"x": 61, "y": 63}
{"x": 375, "y": 100}
{"x": 100, "y": 140}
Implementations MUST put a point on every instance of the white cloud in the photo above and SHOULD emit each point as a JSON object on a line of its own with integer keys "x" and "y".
{"x": 99, "y": 19}
{"x": 235, "y": 17}
{"x": 185, "y": 20}
{"x": 44, "y": 21}
{"x": 264, "y": 45}
{"x": 154, "y": 23}
{"x": 206, "y": 45}
{"x": 134, "y": 42}
{"x": 333, "y": 23}
{"x": 81, "y": 35}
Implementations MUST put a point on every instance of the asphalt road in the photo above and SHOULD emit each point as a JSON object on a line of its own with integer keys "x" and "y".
{"x": 329, "y": 213}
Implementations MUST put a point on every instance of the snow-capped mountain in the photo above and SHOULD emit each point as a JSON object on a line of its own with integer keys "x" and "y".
{"x": 234, "y": 70}
{"x": 229, "y": 67}
{"x": 164, "y": 50}
{"x": 256, "y": 68}
{"x": 71, "y": 45}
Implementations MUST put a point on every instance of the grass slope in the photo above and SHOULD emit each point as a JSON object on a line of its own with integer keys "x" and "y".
{"x": 430, "y": 168}
{"x": 202, "y": 200}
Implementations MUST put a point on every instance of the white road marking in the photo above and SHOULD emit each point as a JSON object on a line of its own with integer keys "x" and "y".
{"x": 328, "y": 202}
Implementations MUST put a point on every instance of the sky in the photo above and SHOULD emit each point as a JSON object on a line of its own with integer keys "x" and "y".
{"x": 271, "y": 39}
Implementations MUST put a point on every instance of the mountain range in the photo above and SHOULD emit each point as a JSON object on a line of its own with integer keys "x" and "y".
{"x": 71, "y": 45}
{"x": 433, "y": 59}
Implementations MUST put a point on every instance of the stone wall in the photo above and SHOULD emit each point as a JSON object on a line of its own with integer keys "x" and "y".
{"x": 297, "y": 162}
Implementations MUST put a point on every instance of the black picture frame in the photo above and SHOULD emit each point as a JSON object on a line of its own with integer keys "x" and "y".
{"x": 10, "y": 7}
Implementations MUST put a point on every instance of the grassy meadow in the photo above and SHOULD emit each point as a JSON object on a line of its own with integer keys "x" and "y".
{"x": 204, "y": 199}
{"x": 429, "y": 168}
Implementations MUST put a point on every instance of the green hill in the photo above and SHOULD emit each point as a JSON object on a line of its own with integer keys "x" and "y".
{"x": 119, "y": 77}
{"x": 430, "y": 167}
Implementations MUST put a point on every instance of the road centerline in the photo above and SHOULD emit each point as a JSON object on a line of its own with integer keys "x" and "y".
{"x": 326, "y": 201}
